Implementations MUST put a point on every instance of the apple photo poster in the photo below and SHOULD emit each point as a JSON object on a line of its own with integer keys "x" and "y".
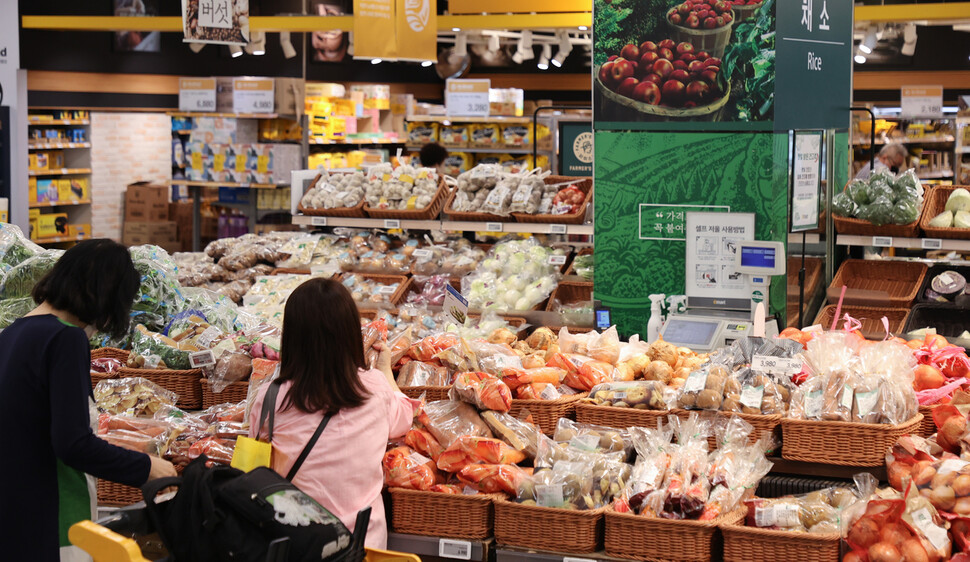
{"x": 711, "y": 61}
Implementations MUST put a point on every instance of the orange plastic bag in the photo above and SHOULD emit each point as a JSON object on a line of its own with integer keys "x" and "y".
{"x": 482, "y": 390}
{"x": 405, "y": 468}
{"x": 582, "y": 373}
{"x": 537, "y": 391}
{"x": 477, "y": 450}
{"x": 493, "y": 478}
{"x": 881, "y": 534}
{"x": 515, "y": 378}
{"x": 426, "y": 349}
{"x": 447, "y": 489}
{"x": 423, "y": 442}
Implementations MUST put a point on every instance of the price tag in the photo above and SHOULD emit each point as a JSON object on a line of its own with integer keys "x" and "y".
{"x": 696, "y": 381}
{"x": 318, "y": 221}
{"x": 202, "y": 359}
{"x": 882, "y": 241}
{"x": 776, "y": 365}
{"x": 921, "y": 101}
{"x": 751, "y": 396}
{"x": 557, "y": 260}
{"x": 392, "y": 223}
{"x": 557, "y": 229}
{"x": 422, "y": 254}
{"x": 571, "y": 559}
{"x": 467, "y": 98}
{"x": 494, "y": 227}
{"x": 197, "y": 94}
{"x": 252, "y": 96}
{"x": 387, "y": 289}
{"x": 206, "y": 338}
{"x": 931, "y": 244}
{"x": 458, "y": 550}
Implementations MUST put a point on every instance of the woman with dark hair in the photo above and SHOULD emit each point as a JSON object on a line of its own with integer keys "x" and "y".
{"x": 322, "y": 371}
{"x": 46, "y": 403}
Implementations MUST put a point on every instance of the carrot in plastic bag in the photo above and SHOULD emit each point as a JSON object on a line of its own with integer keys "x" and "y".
{"x": 483, "y": 390}
{"x": 537, "y": 391}
{"x": 493, "y": 478}
{"x": 373, "y": 332}
{"x": 423, "y": 442}
{"x": 447, "y": 489}
{"x": 515, "y": 378}
{"x": 477, "y": 450}
{"x": 427, "y": 348}
{"x": 405, "y": 468}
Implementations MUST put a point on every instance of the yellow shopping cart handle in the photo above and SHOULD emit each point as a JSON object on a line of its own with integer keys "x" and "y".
{"x": 104, "y": 545}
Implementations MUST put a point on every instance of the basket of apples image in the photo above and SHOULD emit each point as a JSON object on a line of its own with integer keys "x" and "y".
{"x": 744, "y": 9}
{"x": 668, "y": 82}
{"x": 705, "y": 24}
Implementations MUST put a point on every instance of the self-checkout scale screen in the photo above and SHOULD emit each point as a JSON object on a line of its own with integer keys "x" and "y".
{"x": 726, "y": 276}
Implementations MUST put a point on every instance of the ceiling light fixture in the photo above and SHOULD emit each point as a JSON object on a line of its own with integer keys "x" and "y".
{"x": 544, "y": 59}
{"x": 909, "y": 40}
{"x": 869, "y": 41}
{"x": 860, "y": 59}
{"x": 288, "y": 50}
{"x": 524, "y": 50}
{"x": 234, "y": 50}
{"x": 583, "y": 28}
{"x": 427, "y": 63}
{"x": 494, "y": 44}
{"x": 565, "y": 47}
{"x": 461, "y": 45}
{"x": 376, "y": 61}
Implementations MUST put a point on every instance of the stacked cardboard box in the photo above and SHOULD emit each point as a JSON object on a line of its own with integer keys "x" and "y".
{"x": 147, "y": 219}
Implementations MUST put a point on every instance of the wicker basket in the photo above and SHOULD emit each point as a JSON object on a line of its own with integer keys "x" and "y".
{"x": 934, "y": 204}
{"x": 926, "y": 427}
{"x": 619, "y": 418}
{"x": 708, "y": 415}
{"x": 570, "y": 292}
{"x": 110, "y": 353}
{"x": 652, "y": 538}
{"x": 714, "y": 41}
{"x": 233, "y": 394}
{"x": 355, "y": 212}
{"x": 114, "y": 494}
{"x": 571, "y": 270}
{"x": 743, "y": 12}
{"x": 396, "y": 298}
{"x": 870, "y": 317}
{"x": 428, "y": 213}
{"x": 415, "y": 512}
{"x": 584, "y": 184}
{"x": 183, "y": 383}
{"x": 813, "y": 276}
{"x": 842, "y": 443}
{"x": 546, "y": 413}
{"x": 878, "y": 282}
{"x": 621, "y": 108}
{"x": 470, "y": 215}
{"x": 430, "y": 393}
{"x": 845, "y": 225}
{"x": 751, "y": 544}
{"x": 547, "y": 528}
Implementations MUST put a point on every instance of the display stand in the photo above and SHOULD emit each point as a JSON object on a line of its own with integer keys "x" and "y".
{"x": 441, "y": 548}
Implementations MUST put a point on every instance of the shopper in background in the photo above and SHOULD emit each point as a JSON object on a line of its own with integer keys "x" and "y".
{"x": 893, "y": 157}
{"x": 433, "y": 155}
{"x": 323, "y": 371}
{"x": 46, "y": 404}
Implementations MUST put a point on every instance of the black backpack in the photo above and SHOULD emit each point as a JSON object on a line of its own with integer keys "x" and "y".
{"x": 223, "y": 514}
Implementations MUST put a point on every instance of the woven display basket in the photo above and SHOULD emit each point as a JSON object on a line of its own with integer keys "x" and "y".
{"x": 584, "y": 184}
{"x": 743, "y": 12}
{"x": 615, "y": 107}
{"x": 813, "y": 276}
{"x": 119, "y": 495}
{"x": 546, "y": 413}
{"x": 394, "y": 299}
{"x": 357, "y": 211}
{"x": 878, "y": 282}
{"x": 110, "y": 353}
{"x": 842, "y": 443}
{"x": 233, "y": 394}
{"x": 568, "y": 292}
{"x": 415, "y": 512}
{"x": 619, "y": 418}
{"x": 714, "y": 41}
{"x": 428, "y": 213}
{"x": 471, "y": 215}
{"x": 751, "y": 544}
{"x": 571, "y": 270}
{"x": 547, "y": 528}
{"x": 431, "y": 393}
{"x": 652, "y": 538}
{"x": 183, "y": 383}
{"x": 934, "y": 204}
{"x": 926, "y": 427}
{"x": 846, "y": 225}
{"x": 870, "y": 317}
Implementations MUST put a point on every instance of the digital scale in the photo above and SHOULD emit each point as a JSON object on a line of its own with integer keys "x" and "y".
{"x": 715, "y": 318}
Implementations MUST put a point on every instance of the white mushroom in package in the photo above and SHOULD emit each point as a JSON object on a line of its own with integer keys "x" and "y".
{"x": 335, "y": 191}
{"x": 403, "y": 188}
{"x": 488, "y": 188}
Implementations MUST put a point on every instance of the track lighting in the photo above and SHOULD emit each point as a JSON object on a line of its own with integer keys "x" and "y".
{"x": 544, "y": 59}
{"x": 461, "y": 45}
{"x": 234, "y": 50}
{"x": 869, "y": 41}
{"x": 196, "y": 47}
{"x": 257, "y": 43}
{"x": 524, "y": 51}
{"x": 860, "y": 59}
{"x": 427, "y": 63}
{"x": 287, "y": 45}
{"x": 565, "y": 47}
{"x": 909, "y": 40}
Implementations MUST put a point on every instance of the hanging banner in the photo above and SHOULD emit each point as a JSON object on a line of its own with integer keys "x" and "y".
{"x": 223, "y": 22}
{"x": 417, "y": 30}
{"x": 374, "y": 29}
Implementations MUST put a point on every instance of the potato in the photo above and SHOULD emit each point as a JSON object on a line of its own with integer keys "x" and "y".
{"x": 709, "y": 399}
{"x": 687, "y": 400}
{"x": 658, "y": 371}
{"x": 732, "y": 386}
{"x": 731, "y": 403}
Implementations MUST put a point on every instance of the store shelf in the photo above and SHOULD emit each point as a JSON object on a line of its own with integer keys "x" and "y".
{"x": 905, "y": 243}
{"x": 32, "y": 121}
{"x": 46, "y": 145}
{"x": 963, "y": 150}
{"x": 59, "y": 204}
{"x": 513, "y": 554}
{"x": 455, "y": 226}
{"x": 936, "y": 175}
{"x": 489, "y": 150}
{"x": 916, "y": 140}
{"x": 225, "y": 184}
{"x": 60, "y": 172}
{"x": 445, "y": 118}
{"x": 236, "y": 115}
{"x": 431, "y": 546}
{"x": 58, "y": 239}
{"x": 343, "y": 142}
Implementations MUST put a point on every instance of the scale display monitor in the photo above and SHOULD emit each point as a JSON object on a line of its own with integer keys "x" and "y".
{"x": 603, "y": 320}
{"x": 690, "y": 333}
{"x": 761, "y": 258}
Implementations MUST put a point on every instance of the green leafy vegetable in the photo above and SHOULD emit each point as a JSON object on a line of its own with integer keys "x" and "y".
{"x": 20, "y": 280}
{"x": 12, "y": 309}
{"x": 749, "y": 61}
{"x": 859, "y": 192}
{"x": 880, "y": 211}
{"x": 843, "y": 205}
{"x": 905, "y": 211}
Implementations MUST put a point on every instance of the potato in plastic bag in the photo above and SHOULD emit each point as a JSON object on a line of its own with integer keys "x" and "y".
{"x": 132, "y": 396}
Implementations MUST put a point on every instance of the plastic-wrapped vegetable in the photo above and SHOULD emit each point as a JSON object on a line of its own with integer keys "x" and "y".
{"x": 468, "y": 450}
{"x": 159, "y": 296}
{"x": 905, "y": 211}
{"x": 858, "y": 191}
{"x": 448, "y": 420}
{"x": 133, "y": 396}
{"x": 15, "y": 247}
{"x": 12, "y": 309}
{"x": 20, "y": 280}
{"x": 844, "y": 206}
{"x": 405, "y": 468}
{"x": 880, "y": 211}
{"x": 483, "y": 390}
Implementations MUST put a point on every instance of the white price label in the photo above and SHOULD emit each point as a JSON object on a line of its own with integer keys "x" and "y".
{"x": 494, "y": 227}
{"x": 252, "y": 96}
{"x": 751, "y": 396}
{"x": 202, "y": 359}
{"x": 557, "y": 260}
{"x": 813, "y": 405}
{"x": 318, "y": 221}
{"x": 936, "y": 534}
{"x": 572, "y": 559}
{"x": 931, "y": 244}
{"x": 921, "y": 101}
{"x": 776, "y": 365}
{"x": 696, "y": 381}
{"x": 206, "y": 338}
{"x": 197, "y": 94}
{"x": 422, "y": 254}
{"x": 387, "y": 289}
{"x": 467, "y": 98}
{"x": 458, "y": 550}
{"x": 392, "y": 223}
{"x": 549, "y": 495}
{"x": 418, "y": 458}
{"x": 882, "y": 241}
{"x": 847, "y": 394}
{"x": 557, "y": 229}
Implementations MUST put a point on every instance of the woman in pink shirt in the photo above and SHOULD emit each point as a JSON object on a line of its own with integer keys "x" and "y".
{"x": 322, "y": 370}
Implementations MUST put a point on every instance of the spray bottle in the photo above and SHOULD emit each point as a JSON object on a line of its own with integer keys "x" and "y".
{"x": 677, "y": 304}
{"x": 656, "y": 317}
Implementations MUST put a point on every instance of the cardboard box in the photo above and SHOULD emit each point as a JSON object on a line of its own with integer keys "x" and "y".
{"x": 224, "y": 130}
{"x": 82, "y": 230}
{"x": 73, "y": 189}
{"x": 158, "y": 233}
{"x": 376, "y": 96}
{"x": 145, "y": 202}
{"x": 31, "y": 189}
{"x": 47, "y": 191}
{"x": 289, "y": 95}
{"x": 51, "y": 224}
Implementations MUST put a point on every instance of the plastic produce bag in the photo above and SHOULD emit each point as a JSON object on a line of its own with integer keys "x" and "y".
{"x": 417, "y": 373}
{"x": 19, "y": 281}
{"x": 405, "y": 468}
{"x": 493, "y": 478}
{"x": 423, "y": 442}
{"x": 159, "y": 297}
{"x": 15, "y": 248}
{"x": 448, "y": 420}
{"x": 483, "y": 390}
{"x": 593, "y": 438}
{"x": 640, "y": 395}
{"x": 468, "y": 450}
{"x": 132, "y": 396}
{"x": 520, "y": 435}
{"x": 230, "y": 368}
{"x": 13, "y": 309}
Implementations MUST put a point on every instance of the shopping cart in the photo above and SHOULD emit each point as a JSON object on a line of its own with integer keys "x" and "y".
{"x": 116, "y": 539}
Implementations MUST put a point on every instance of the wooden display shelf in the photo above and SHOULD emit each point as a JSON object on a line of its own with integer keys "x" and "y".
{"x": 225, "y": 184}
{"x": 936, "y": 175}
{"x": 59, "y": 172}
{"x": 235, "y": 115}
{"x": 55, "y": 144}
{"x": 58, "y": 239}
{"x": 906, "y": 243}
{"x": 59, "y": 204}
{"x": 490, "y": 150}
{"x": 443, "y": 118}
{"x": 33, "y": 120}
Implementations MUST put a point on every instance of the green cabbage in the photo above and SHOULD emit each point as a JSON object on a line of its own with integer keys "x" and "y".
{"x": 859, "y": 192}
{"x": 959, "y": 200}
{"x": 942, "y": 220}
{"x": 844, "y": 206}
{"x": 906, "y": 181}
{"x": 880, "y": 211}
{"x": 879, "y": 189}
{"x": 883, "y": 176}
{"x": 905, "y": 211}
{"x": 961, "y": 219}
